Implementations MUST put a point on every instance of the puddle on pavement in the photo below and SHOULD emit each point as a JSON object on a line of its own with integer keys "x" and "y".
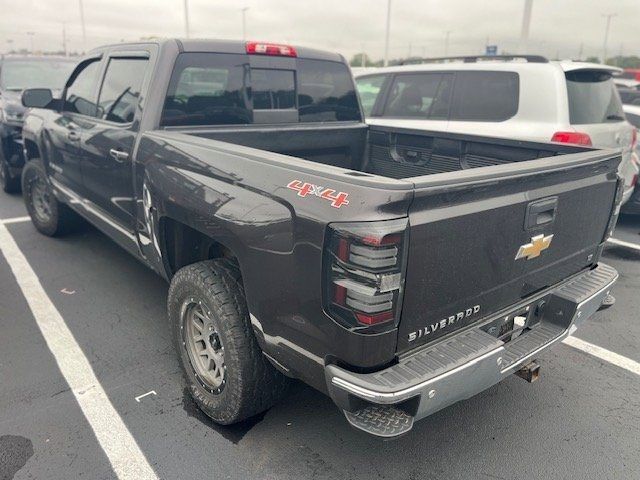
{"x": 15, "y": 451}
{"x": 233, "y": 433}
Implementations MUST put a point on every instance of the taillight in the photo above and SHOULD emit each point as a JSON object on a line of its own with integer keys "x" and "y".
{"x": 364, "y": 271}
{"x": 576, "y": 138}
{"x": 634, "y": 138}
{"x": 276, "y": 49}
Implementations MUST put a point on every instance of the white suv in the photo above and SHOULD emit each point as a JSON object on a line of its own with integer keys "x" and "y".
{"x": 516, "y": 97}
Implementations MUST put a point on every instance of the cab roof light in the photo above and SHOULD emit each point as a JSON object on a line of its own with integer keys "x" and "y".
{"x": 275, "y": 49}
{"x": 575, "y": 138}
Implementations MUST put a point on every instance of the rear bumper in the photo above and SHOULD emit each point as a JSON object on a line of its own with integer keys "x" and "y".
{"x": 464, "y": 364}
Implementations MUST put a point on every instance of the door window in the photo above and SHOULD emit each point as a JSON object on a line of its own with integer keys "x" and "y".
{"x": 419, "y": 95}
{"x": 120, "y": 90}
{"x": 81, "y": 95}
{"x": 486, "y": 96}
{"x": 369, "y": 89}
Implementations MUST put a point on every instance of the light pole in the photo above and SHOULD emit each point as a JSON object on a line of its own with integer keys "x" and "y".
{"x": 386, "y": 36}
{"x": 31, "y": 34}
{"x": 84, "y": 29}
{"x": 186, "y": 18}
{"x": 608, "y": 16}
{"x": 526, "y": 24}
{"x": 446, "y": 43}
{"x": 244, "y": 22}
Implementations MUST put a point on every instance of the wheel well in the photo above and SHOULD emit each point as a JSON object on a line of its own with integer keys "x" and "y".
{"x": 31, "y": 149}
{"x": 184, "y": 245}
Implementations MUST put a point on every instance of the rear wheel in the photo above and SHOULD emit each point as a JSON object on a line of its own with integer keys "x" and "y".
{"x": 49, "y": 216}
{"x": 226, "y": 373}
{"x": 8, "y": 183}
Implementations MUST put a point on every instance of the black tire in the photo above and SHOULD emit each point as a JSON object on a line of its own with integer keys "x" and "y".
{"x": 49, "y": 216}
{"x": 251, "y": 384}
{"x": 8, "y": 183}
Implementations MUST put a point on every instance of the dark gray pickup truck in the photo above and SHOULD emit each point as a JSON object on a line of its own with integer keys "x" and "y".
{"x": 397, "y": 271}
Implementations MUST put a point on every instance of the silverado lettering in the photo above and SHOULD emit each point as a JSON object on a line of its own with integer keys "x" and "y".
{"x": 445, "y": 322}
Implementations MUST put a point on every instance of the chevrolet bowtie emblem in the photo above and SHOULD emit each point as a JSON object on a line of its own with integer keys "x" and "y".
{"x": 535, "y": 248}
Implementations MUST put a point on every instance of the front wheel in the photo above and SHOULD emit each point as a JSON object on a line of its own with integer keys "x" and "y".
{"x": 49, "y": 216}
{"x": 226, "y": 373}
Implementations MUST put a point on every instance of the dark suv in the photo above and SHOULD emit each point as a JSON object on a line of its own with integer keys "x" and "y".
{"x": 16, "y": 74}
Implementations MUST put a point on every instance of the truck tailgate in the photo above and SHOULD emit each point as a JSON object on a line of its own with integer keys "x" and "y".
{"x": 466, "y": 232}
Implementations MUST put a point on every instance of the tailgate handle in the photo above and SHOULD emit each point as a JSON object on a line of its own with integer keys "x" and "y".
{"x": 541, "y": 212}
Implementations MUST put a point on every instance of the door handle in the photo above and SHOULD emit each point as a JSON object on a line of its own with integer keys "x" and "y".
{"x": 118, "y": 155}
{"x": 73, "y": 136}
{"x": 541, "y": 212}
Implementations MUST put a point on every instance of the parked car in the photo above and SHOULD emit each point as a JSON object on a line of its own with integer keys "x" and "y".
{"x": 16, "y": 74}
{"x": 631, "y": 74}
{"x": 630, "y": 83}
{"x": 300, "y": 242}
{"x": 629, "y": 96}
{"x": 522, "y": 97}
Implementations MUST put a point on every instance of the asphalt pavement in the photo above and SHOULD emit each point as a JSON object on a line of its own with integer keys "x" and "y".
{"x": 581, "y": 420}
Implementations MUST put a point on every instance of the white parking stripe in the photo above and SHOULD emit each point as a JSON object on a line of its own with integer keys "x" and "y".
{"x": 622, "y": 243}
{"x": 604, "y": 354}
{"x": 123, "y": 452}
{"x": 7, "y": 221}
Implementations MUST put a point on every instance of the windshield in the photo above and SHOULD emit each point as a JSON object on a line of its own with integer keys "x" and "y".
{"x": 593, "y": 98}
{"x": 21, "y": 74}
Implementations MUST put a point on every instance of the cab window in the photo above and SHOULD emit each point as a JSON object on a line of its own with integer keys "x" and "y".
{"x": 121, "y": 89}
{"x": 82, "y": 95}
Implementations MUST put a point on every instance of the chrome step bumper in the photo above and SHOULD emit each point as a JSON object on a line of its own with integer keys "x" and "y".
{"x": 462, "y": 365}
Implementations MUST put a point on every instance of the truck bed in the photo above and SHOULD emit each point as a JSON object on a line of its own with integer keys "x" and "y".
{"x": 389, "y": 152}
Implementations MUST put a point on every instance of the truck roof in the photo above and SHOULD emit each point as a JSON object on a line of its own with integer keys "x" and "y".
{"x": 226, "y": 46}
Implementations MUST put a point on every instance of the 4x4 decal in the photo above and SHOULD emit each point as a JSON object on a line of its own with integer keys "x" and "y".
{"x": 304, "y": 188}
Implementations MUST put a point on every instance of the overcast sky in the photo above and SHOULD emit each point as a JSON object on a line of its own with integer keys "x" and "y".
{"x": 558, "y": 27}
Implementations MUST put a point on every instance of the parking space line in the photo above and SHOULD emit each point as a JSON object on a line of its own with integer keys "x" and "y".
{"x": 622, "y": 243}
{"x": 604, "y": 354}
{"x": 122, "y": 450}
{"x": 8, "y": 221}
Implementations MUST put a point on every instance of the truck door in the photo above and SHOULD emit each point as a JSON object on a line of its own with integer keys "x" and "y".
{"x": 63, "y": 132}
{"x": 106, "y": 145}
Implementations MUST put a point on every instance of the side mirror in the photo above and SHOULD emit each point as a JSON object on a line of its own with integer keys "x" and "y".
{"x": 37, "y": 97}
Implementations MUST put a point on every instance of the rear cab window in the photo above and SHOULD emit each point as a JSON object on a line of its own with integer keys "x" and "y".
{"x": 224, "y": 89}
{"x": 593, "y": 98}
